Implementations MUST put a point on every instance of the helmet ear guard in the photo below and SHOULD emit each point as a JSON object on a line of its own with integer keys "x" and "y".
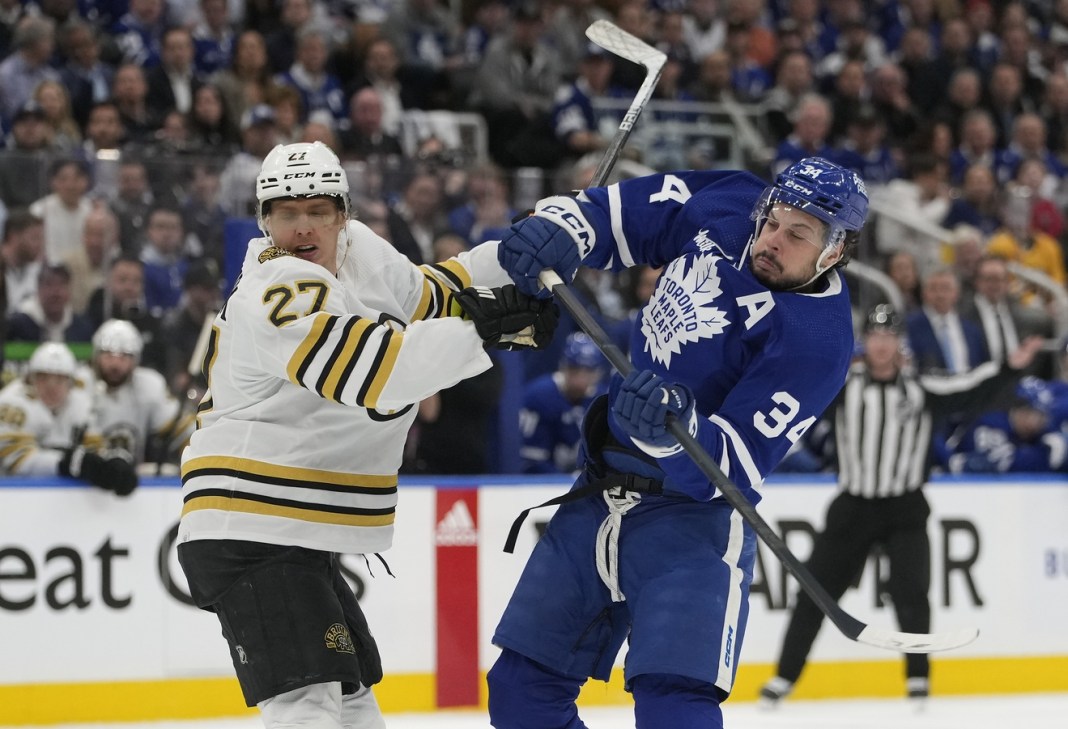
{"x": 298, "y": 171}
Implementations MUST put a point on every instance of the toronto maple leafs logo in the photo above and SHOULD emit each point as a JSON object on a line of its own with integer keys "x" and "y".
{"x": 682, "y": 309}
{"x": 707, "y": 245}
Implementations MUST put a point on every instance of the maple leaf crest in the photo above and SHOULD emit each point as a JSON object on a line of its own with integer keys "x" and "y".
{"x": 682, "y": 309}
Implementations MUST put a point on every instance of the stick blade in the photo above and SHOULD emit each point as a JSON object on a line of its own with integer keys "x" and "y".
{"x": 916, "y": 642}
{"x": 612, "y": 38}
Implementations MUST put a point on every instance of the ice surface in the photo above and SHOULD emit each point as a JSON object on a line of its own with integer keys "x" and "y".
{"x": 1033, "y": 711}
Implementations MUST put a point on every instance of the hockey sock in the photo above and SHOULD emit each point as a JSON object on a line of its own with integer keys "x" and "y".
{"x": 524, "y": 694}
{"x": 664, "y": 701}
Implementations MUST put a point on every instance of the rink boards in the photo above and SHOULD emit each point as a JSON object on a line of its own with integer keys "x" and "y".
{"x": 95, "y": 623}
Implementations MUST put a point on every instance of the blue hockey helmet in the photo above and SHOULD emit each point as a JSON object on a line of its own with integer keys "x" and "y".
{"x": 833, "y": 194}
{"x": 580, "y": 351}
{"x": 1035, "y": 393}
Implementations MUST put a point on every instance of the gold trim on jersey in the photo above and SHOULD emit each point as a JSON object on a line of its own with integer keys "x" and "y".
{"x": 455, "y": 272}
{"x": 269, "y": 254}
{"x": 247, "y": 506}
{"x": 379, "y": 375}
{"x": 17, "y": 447}
{"x": 440, "y": 280}
{"x": 301, "y": 359}
{"x": 339, "y": 367}
{"x": 271, "y": 470}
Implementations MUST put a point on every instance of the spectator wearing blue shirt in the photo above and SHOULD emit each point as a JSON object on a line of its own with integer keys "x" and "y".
{"x": 164, "y": 259}
{"x": 213, "y": 37}
{"x": 573, "y": 118}
{"x": 864, "y": 150}
{"x": 320, "y": 91}
{"x": 139, "y": 32}
{"x": 811, "y": 123}
{"x": 978, "y": 202}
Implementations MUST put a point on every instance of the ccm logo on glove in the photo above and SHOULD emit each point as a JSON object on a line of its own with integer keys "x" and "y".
{"x": 565, "y": 212}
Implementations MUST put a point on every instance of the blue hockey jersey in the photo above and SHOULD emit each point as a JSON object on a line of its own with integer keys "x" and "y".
{"x": 550, "y": 425}
{"x": 763, "y": 365}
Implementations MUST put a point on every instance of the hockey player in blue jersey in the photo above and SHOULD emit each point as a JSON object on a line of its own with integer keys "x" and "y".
{"x": 1020, "y": 438}
{"x": 746, "y": 339}
{"x": 553, "y": 406}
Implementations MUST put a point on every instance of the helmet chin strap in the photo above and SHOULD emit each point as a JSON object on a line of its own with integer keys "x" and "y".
{"x": 821, "y": 266}
{"x": 345, "y": 243}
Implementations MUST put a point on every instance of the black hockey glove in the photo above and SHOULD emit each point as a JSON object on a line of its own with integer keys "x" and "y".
{"x": 111, "y": 474}
{"x": 506, "y": 318}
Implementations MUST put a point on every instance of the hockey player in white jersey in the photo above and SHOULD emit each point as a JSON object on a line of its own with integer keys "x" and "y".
{"x": 314, "y": 368}
{"x": 46, "y": 425}
{"x": 137, "y": 416}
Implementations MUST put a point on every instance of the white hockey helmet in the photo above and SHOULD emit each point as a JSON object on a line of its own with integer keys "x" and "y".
{"x": 53, "y": 358}
{"x": 118, "y": 337}
{"x": 300, "y": 170}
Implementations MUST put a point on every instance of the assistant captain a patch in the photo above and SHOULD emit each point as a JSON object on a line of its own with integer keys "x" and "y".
{"x": 338, "y": 638}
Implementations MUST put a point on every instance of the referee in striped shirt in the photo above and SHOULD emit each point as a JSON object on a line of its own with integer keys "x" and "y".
{"x": 884, "y": 419}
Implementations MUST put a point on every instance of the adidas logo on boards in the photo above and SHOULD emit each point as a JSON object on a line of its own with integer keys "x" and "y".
{"x": 457, "y": 527}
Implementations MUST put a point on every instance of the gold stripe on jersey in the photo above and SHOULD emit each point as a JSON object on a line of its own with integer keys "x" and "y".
{"x": 427, "y": 300}
{"x": 338, "y": 368}
{"x": 310, "y": 513}
{"x": 210, "y": 354}
{"x": 255, "y": 470}
{"x": 302, "y": 358}
{"x": 453, "y": 272}
{"x": 440, "y": 281}
{"x": 16, "y": 448}
{"x": 205, "y": 406}
{"x": 381, "y": 369}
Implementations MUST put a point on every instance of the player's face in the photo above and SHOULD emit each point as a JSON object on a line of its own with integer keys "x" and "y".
{"x": 114, "y": 368}
{"x": 784, "y": 255}
{"x": 52, "y": 389}
{"x": 307, "y": 228}
{"x": 578, "y": 381}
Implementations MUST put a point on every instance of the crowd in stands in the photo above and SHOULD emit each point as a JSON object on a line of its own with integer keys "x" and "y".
{"x": 133, "y": 130}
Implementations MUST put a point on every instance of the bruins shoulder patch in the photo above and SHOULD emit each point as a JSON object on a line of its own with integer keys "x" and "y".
{"x": 337, "y": 637}
{"x": 269, "y": 254}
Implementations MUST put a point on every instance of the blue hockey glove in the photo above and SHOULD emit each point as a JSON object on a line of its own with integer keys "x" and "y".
{"x": 557, "y": 236}
{"x": 641, "y": 408}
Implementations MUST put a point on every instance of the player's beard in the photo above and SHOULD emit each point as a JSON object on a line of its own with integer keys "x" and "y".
{"x": 775, "y": 281}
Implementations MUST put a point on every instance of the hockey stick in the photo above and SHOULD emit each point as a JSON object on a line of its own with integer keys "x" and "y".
{"x": 849, "y": 626}
{"x": 191, "y": 395}
{"x": 613, "y": 38}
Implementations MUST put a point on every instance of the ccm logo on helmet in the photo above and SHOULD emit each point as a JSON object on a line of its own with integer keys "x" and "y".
{"x": 794, "y": 185}
{"x": 297, "y": 175}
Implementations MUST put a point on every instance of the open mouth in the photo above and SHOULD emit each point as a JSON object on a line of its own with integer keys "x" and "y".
{"x": 305, "y": 251}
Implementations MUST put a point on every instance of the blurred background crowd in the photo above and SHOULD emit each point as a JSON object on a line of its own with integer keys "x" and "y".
{"x": 133, "y": 130}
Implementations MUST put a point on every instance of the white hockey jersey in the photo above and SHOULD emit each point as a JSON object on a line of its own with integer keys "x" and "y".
{"x": 312, "y": 386}
{"x": 32, "y": 437}
{"x": 140, "y": 411}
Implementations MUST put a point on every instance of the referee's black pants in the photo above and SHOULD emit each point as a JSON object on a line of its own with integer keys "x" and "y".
{"x": 855, "y": 525}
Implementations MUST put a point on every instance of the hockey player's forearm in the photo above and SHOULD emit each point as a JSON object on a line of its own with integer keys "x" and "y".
{"x": 725, "y": 447}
